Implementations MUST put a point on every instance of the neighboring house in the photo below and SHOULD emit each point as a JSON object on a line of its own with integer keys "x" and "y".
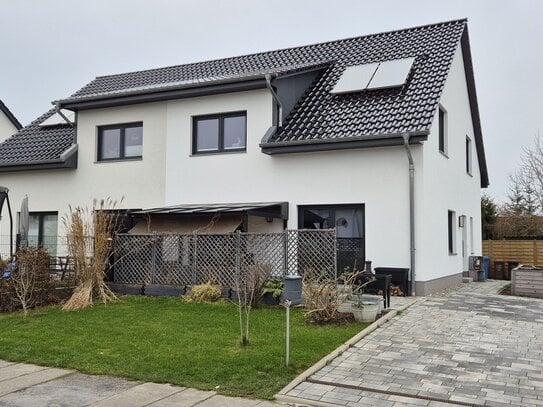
{"x": 8, "y": 122}
{"x": 316, "y": 135}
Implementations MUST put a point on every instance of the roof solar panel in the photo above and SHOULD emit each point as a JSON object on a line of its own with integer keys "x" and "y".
{"x": 355, "y": 78}
{"x": 391, "y": 74}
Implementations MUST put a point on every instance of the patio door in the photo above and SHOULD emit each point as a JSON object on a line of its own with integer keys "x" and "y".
{"x": 348, "y": 220}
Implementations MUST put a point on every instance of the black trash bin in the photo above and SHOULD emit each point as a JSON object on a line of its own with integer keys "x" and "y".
{"x": 511, "y": 264}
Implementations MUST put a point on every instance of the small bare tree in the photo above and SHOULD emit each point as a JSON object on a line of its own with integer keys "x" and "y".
{"x": 90, "y": 238}
{"x": 249, "y": 285}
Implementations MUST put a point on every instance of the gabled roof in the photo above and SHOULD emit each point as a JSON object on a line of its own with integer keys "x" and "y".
{"x": 4, "y": 109}
{"x": 319, "y": 120}
{"x": 35, "y": 147}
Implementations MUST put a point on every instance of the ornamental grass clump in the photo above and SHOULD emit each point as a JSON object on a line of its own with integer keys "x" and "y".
{"x": 90, "y": 245}
{"x": 208, "y": 292}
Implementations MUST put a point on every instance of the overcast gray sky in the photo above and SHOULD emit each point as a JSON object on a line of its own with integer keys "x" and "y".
{"x": 51, "y": 48}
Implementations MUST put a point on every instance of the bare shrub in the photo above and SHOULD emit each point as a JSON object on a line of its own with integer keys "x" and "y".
{"x": 208, "y": 292}
{"x": 90, "y": 237}
{"x": 31, "y": 280}
{"x": 322, "y": 296}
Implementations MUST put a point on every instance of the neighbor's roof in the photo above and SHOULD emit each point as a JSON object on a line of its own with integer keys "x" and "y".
{"x": 4, "y": 109}
{"x": 35, "y": 146}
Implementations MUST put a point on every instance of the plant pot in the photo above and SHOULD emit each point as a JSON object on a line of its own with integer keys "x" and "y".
{"x": 269, "y": 299}
{"x": 346, "y": 307}
{"x": 366, "y": 313}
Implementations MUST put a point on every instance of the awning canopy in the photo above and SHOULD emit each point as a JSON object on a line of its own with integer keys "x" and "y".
{"x": 266, "y": 209}
{"x": 217, "y": 224}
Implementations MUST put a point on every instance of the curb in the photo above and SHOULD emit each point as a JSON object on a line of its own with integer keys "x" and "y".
{"x": 282, "y": 395}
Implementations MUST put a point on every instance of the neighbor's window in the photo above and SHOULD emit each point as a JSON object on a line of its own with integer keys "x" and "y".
{"x": 442, "y": 129}
{"x": 120, "y": 142}
{"x": 219, "y": 133}
{"x": 468, "y": 155}
{"x": 452, "y": 232}
{"x": 42, "y": 231}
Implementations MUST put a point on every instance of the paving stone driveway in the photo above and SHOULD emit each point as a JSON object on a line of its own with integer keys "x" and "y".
{"x": 468, "y": 347}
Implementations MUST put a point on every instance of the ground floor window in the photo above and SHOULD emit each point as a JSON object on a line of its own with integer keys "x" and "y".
{"x": 348, "y": 220}
{"x": 43, "y": 231}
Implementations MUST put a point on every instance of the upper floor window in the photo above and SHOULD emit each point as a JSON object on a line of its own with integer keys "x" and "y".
{"x": 468, "y": 155}
{"x": 442, "y": 129}
{"x": 120, "y": 142}
{"x": 219, "y": 133}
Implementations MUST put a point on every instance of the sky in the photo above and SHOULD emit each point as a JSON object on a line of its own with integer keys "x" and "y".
{"x": 51, "y": 48}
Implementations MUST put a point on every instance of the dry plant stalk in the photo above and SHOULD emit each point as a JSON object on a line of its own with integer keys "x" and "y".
{"x": 90, "y": 237}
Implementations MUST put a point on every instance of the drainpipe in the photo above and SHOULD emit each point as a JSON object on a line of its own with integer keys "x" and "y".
{"x": 276, "y": 98}
{"x": 406, "y": 137}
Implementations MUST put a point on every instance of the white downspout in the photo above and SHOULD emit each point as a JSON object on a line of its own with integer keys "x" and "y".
{"x": 406, "y": 138}
{"x": 276, "y": 98}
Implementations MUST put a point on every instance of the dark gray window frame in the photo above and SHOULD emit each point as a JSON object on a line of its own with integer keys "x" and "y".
{"x": 469, "y": 155}
{"x": 122, "y": 128}
{"x": 451, "y": 231}
{"x": 442, "y": 130}
{"x": 220, "y": 117}
{"x": 41, "y": 216}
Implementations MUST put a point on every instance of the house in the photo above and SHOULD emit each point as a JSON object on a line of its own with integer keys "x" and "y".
{"x": 378, "y": 136}
{"x": 8, "y": 122}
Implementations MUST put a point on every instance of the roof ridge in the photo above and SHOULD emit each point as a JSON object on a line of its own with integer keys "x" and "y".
{"x": 449, "y": 22}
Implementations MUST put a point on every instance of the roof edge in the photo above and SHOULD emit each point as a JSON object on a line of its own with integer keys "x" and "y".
{"x": 68, "y": 159}
{"x": 474, "y": 107}
{"x": 10, "y": 116}
{"x": 343, "y": 143}
{"x": 157, "y": 94}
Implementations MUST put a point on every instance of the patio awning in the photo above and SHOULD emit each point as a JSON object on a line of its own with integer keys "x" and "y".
{"x": 266, "y": 209}
{"x": 218, "y": 224}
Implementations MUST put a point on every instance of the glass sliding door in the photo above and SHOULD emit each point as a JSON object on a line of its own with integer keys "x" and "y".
{"x": 348, "y": 220}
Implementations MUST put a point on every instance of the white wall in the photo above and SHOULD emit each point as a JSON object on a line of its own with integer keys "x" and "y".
{"x": 140, "y": 182}
{"x": 375, "y": 177}
{"x": 6, "y": 127}
{"x": 447, "y": 186}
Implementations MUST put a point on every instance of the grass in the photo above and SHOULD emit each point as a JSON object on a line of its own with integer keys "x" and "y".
{"x": 171, "y": 341}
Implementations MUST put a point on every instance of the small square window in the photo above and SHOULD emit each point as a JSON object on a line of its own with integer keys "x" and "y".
{"x": 220, "y": 133}
{"x": 120, "y": 142}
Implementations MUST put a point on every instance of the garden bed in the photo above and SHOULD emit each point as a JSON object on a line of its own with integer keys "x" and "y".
{"x": 167, "y": 340}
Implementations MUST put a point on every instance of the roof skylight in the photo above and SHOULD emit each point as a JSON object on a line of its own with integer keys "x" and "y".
{"x": 382, "y": 75}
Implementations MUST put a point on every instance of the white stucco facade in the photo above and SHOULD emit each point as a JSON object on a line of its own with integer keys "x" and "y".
{"x": 378, "y": 178}
{"x": 7, "y": 128}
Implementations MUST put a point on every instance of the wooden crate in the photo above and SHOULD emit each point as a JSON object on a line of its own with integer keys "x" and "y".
{"x": 527, "y": 282}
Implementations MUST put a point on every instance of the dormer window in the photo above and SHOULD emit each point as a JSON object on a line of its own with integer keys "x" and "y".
{"x": 219, "y": 133}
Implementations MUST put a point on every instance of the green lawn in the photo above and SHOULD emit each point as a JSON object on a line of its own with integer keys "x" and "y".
{"x": 168, "y": 340}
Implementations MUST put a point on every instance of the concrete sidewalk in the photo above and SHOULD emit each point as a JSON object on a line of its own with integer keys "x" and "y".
{"x": 25, "y": 385}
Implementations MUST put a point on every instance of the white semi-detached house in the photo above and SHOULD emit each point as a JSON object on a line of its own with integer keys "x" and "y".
{"x": 318, "y": 136}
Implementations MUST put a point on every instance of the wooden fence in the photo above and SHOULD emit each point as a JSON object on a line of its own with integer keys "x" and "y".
{"x": 524, "y": 251}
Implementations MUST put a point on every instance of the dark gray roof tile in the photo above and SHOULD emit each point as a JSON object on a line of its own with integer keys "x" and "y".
{"x": 35, "y": 144}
